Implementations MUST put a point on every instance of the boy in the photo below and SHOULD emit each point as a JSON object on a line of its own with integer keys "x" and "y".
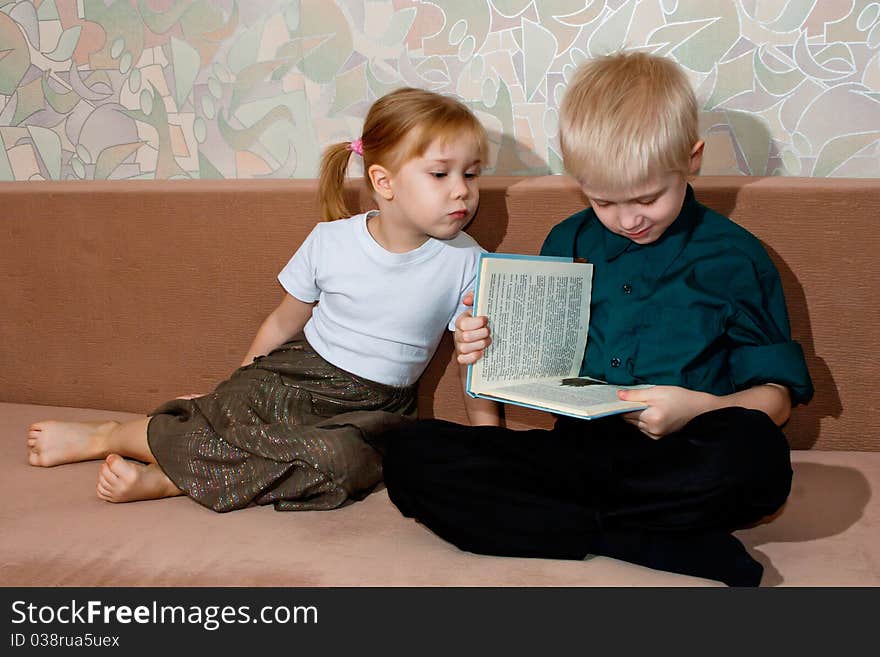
{"x": 683, "y": 299}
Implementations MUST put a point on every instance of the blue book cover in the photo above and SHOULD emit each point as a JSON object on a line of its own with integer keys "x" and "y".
{"x": 539, "y": 310}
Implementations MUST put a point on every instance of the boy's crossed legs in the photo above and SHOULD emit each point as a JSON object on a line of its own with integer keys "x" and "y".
{"x": 600, "y": 488}
{"x": 52, "y": 443}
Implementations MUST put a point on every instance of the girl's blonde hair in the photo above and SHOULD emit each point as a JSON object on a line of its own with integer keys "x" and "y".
{"x": 399, "y": 126}
{"x": 625, "y": 118}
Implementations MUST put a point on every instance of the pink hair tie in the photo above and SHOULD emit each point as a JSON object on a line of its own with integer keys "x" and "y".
{"x": 357, "y": 146}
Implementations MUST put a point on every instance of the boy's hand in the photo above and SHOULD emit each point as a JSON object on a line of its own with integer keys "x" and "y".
{"x": 669, "y": 408}
{"x": 471, "y": 334}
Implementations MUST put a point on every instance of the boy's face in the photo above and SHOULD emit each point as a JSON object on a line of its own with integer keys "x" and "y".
{"x": 643, "y": 214}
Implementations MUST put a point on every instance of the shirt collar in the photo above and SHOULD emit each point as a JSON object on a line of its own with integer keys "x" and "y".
{"x": 670, "y": 244}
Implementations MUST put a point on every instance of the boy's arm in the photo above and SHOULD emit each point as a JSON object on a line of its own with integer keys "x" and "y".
{"x": 671, "y": 407}
{"x": 283, "y": 323}
{"x": 772, "y": 398}
{"x": 480, "y": 412}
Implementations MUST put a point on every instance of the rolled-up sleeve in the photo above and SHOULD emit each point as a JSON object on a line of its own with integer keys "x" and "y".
{"x": 781, "y": 363}
{"x": 763, "y": 351}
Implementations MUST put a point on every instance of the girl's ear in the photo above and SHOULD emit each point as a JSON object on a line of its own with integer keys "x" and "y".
{"x": 380, "y": 178}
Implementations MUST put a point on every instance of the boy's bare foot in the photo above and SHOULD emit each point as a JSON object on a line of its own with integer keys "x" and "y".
{"x": 120, "y": 480}
{"x": 53, "y": 443}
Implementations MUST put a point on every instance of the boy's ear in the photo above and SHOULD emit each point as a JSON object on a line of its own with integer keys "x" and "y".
{"x": 697, "y": 157}
{"x": 380, "y": 179}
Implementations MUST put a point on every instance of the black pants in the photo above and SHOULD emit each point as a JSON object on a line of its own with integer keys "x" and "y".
{"x": 597, "y": 487}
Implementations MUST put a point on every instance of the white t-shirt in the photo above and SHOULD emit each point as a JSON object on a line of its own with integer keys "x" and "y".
{"x": 380, "y": 315}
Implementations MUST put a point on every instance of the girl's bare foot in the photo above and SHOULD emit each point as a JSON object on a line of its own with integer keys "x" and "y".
{"x": 53, "y": 443}
{"x": 129, "y": 481}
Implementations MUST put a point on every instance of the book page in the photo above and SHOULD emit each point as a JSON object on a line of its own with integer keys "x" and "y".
{"x": 579, "y": 396}
{"x": 539, "y": 313}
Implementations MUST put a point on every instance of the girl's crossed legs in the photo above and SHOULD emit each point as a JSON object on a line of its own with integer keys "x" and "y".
{"x": 53, "y": 443}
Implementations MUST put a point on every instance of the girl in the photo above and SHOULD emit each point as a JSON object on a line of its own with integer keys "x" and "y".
{"x": 367, "y": 299}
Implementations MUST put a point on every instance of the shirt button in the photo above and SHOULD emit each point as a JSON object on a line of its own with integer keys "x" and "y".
{"x": 615, "y": 362}
{"x": 627, "y": 288}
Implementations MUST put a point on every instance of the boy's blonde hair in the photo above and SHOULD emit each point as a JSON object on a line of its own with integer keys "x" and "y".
{"x": 625, "y": 118}
{"x": 399, "y": 126}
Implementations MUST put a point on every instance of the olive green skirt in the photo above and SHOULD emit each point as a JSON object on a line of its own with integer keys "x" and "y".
{"x": 289, "y": 429}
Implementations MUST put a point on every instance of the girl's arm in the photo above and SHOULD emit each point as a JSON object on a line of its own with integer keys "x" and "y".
{"x": 283, "y": 323}
{"x": 479, "y": 411}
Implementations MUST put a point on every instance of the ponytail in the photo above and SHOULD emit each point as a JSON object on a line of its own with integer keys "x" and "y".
{"x": 331, "y": 183}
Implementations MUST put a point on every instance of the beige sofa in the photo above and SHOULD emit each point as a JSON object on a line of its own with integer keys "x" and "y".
{"x": 118, "y": 296}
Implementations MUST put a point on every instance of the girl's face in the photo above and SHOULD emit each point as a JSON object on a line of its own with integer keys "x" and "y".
{"x": 435, "y": 194}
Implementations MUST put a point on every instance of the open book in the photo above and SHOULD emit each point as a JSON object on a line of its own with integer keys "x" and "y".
{"x": 539, "y": 314}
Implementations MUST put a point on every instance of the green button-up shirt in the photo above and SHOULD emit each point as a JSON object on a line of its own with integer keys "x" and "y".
{"x": 702, "y": 307}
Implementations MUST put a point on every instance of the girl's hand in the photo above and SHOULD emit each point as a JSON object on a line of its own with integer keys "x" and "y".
{"x": 471, "y": 334}
{"x": 669, "y": 408}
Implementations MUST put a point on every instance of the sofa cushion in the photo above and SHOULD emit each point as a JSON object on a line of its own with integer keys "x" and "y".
{"x": 56, "y": 532}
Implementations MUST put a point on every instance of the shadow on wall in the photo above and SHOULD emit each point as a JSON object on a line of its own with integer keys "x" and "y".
{"x": 805, "y": 424}
{"x": 804, "y": 427}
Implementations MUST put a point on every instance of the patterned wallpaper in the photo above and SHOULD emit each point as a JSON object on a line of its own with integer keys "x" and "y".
{"x": 124, "y": 89}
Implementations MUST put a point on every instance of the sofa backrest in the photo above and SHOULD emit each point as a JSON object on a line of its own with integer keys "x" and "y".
{"x": 120, "y": 295}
